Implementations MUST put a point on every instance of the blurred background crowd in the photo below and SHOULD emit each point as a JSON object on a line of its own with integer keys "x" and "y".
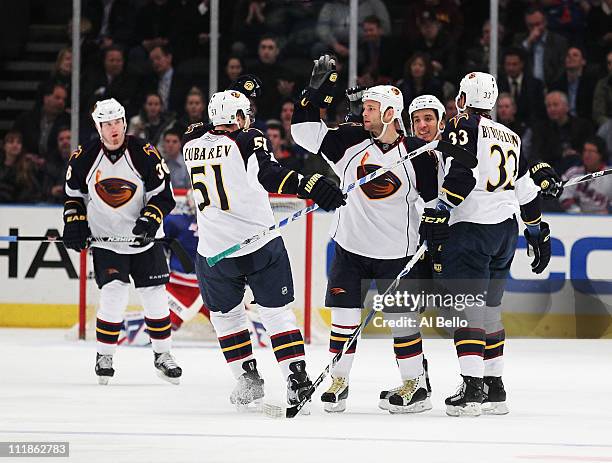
{"x": 554, "y": 75}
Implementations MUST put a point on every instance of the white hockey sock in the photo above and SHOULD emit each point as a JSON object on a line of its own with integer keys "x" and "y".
{"x": 113, "y": 301}
{"x": 157, "y": 317}
{"x": 285, "y": 336}
{"x": 233, "y": 332}
{"x": 344, "y": 322}
{"x": 495, "y": 340}
{"x": 409, "y": 355}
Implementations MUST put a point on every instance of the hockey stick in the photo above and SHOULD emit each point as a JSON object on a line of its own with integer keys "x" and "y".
{"x": 586, "y": 177}
{"x": 275, "y": 411}
{"x": 461, "y": 155}
{"x": 174, "y": 245}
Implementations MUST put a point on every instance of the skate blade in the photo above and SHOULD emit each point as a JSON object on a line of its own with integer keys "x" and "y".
{"x": 253, "y": 407}
{"x": 103, "y": 380}
{"x": 175, "y": 381}
{"x": 470, "y": 409}
{"x": 335, "y": 407}
{"x": 495, "y": 408}
{"x": 384, "y": 404}
{"x": 418, "y": 407}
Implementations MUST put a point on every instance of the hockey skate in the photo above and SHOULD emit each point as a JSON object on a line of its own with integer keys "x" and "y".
{"x": 298, "y": 384}
{"x": 249, "y": 389}
{"x": 104, "y": 368}
{"x": 494, "y": 396}
{"x": 412, "y": 397}
{"x": 467, "y": 401}
{"x": 334, "y": 399}
{"x": 383, "y": 398}
{"x": 167, "y": 369}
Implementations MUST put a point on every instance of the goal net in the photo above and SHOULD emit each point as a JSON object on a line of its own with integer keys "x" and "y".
{"x": 298, "y": 241}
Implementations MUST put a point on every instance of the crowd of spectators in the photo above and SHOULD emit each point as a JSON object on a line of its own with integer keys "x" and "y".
{"x": 554, "y": 76}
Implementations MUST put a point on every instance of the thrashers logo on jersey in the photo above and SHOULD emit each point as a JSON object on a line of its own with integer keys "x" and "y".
{"x": 381, "y": 187}
{"x": 115, "y": 191}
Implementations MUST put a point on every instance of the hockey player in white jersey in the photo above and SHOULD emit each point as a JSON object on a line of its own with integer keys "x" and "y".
{"x": 119, "y": 186}
{"x": 483, "y": 204}
{"x": 232, "y": 171}
{"x": 372, "y": 236}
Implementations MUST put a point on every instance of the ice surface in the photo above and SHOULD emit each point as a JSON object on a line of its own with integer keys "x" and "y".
{"x": 560, "y": 399}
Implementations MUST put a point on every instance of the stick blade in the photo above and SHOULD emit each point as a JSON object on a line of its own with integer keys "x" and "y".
{"x": 278, "y": 412}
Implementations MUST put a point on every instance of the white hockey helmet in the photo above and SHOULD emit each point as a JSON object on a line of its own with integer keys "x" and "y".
{"x": 106, "y": 111}
{"x": 480, "y": 90}
{"x": 427, "y": 102}
{"x": 388, "y": 96}
{"x": 224, "y": 106}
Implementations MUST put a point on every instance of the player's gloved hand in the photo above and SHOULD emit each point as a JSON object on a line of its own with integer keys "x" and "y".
{"x": 322, "y": 191}
{"x": 434, "y": 230}
{"x": 539, "y": 247}
{"x": 354, "y": 95}
{"x": 320, "y": 91}
{"x": 247, "y": 84}
{"x": 547, "y": 179}
{"x": 76, "y": 227}
{"x": 146, "y": 226}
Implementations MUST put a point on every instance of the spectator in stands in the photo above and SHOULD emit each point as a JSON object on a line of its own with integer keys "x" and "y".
{"x": 112, "y": 22}
{"x": 527, "y": 91}
{"x": 55, "y": 169}
{"x": 152, "y": 121}
{"x": 195, "y": 111}
{"x": 545, "y": 49}
{"x": 20, "y": 178}
{"x": 285, "y": 117}
{"x": 297, "y": 22}
{"x": 378, "y": 55}
{"x": 333, "y": 24}
{"x": 602, "y": 97}
{"x": 276, "y": 134}
{"x": 450, "y": 107}
{"x": 589, "y": 197}
{"x": 418, "y": 79}
{"x": 153, "y": 24}
{"x": 179, "y": 175}
{"x": 567, "y": 18}
{"x": 447, "y": 13}
{"x": 113, "y": 82}
{"x": 558, "y": 139}
{"x": 61, "y": 74}
{"x": 507, "y": 115}
{"x": 232, "y": 69}
{"x": 438, "y": 45}
{"x": 277, "y": 81}
{"x": 599, "y": 30}
{"x": 577, "y": 84}
{"x": 477, "y": 57}
{"x": 249, "y": 25}
{"x": 39, "y": 126}
{"x": 167, "y": 83}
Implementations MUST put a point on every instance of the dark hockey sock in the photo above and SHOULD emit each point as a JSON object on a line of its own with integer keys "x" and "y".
{"x": 237, "y": 346}
{"x": 470, "y": 346}
{"x": 409, "y": 355}
{"x": 339, "y": 335}
{"x": 287, "y": 345}
{"x": 107, "y": 332}
{"x": 159, "y": 328}
{"x": 494, "y": 352}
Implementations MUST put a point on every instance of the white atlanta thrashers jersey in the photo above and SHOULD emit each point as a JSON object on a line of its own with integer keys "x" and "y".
{"x": 231, "y": 174}
{"x": 496, "y": 188}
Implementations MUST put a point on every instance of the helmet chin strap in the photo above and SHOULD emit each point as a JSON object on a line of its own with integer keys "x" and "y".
{"x": 385, "y": 124}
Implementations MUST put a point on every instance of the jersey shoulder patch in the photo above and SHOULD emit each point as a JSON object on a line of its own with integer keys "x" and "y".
{"x": 84, "y": 156}
{"x": 195, "y": 131}
{"x": 463, "y": 120}
{"x": 137, "y": 146}
{"x": 249, "y": 140}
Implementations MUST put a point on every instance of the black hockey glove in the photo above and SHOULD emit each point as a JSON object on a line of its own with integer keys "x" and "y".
{"x": 434, "y": 229}
{"x": 547, "y": 179}
{"x": 354, "y": 95}
{"x": 146, "y": 226}
{"x": 248, "y": 84}
{"x": 539, "y": 248}
{"x": 76, "y": 228}
{"x": 320, "y": 91}
{"x": 322, "y": 191}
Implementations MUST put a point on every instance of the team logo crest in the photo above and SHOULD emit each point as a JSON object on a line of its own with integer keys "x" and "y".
{"x": 236, "y": 94}
{"x": 381, "y": 187}
{"x": 248, "y": 85}
{"x": 150, "y": 149}
{"x": 115, "y": 191}
{"x": 395, "y": 91}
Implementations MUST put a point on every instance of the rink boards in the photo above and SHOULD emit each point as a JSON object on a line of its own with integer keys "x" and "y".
{"x": 572, "y": 298}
